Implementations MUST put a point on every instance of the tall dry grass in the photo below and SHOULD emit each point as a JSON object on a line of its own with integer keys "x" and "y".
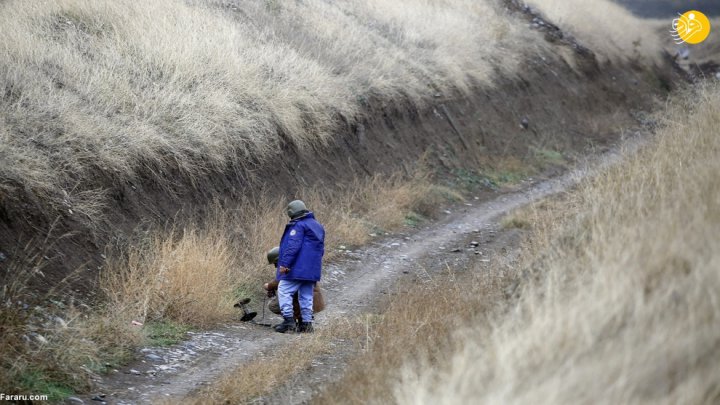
{"x": 420, "y": 321}
{"x": 96, "y": 92}
{"x": 622, "y": 302}
{"x": 187, "y": 277}
{"x": 104, "y": 89}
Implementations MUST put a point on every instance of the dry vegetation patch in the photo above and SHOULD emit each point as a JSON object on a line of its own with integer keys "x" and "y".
{"x": 421, "y": 321}
{"x": 113, "y": 91}
{"x": 623, "y": 302}
{"x": 616, "y": 296}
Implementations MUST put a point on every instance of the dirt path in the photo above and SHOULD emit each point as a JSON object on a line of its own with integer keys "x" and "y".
{"x": 351, "y": 286}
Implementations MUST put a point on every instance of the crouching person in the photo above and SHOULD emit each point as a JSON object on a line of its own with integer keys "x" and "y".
{"x": 302, "y": 247}
{"x": 271, "y": 288}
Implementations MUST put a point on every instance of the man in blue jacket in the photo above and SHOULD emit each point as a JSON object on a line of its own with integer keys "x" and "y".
{"x": 301, "y": 251}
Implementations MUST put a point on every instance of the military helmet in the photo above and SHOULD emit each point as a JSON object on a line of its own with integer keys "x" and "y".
{"x": 295, "y": 208}
{"x": 273, "y": 255}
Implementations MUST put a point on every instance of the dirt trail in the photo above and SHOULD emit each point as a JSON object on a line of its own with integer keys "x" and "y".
{"x": 351, "y": 286}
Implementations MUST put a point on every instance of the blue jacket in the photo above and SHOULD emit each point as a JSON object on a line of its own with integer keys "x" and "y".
{"x": 301, "y": 249}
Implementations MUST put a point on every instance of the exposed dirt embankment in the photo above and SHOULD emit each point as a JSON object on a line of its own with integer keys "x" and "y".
{"x": 563, "y": 100}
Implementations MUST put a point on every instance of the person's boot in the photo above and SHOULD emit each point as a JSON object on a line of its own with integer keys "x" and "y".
{"x": 305, "y": 327}
{"x": 288, "y": 324}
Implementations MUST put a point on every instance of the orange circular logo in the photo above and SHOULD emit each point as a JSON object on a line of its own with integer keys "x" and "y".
{"x": 692, "y": 27}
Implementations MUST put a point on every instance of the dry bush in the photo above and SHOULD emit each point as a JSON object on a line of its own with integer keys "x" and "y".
{"x": 185, "y": 277}
{"x": 623, "y": 302}
{"x": 607, "y": 28}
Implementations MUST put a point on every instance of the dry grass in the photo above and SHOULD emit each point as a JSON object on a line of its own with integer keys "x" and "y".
{"x": 96, "y": 92}
{"x": 419, "y": 322}
{"x": 188, "y": 278}
{"x": 261, "y": 375}
{"x": 55, "y": 348}
{"x": 111, "y": 90}
{"x": 624, "y": 303}
{"x": 605, "y": 27}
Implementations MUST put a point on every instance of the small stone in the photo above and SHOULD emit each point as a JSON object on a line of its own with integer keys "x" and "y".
{"x": 75, "y": 400}
{"x": 99, "y": 397}
{"x": 342, "y": 247}
{"x": 456, "y": 250}
{"x": 60, "y": 321}
{"x": 2, "y": 257}
{"x": 474, "y": 243}
{"x": 134, "y": 372}
{"x": 395, "y": 244}
{"x": 153, "y": 357}
{"x": 447, "y": 212}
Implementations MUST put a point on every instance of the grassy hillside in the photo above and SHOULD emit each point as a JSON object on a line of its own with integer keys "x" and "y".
{"x": 624, "y": 304}
{"x": 93, "y": 93}
{"x": 614, "y": 298}
{"x": 117, "y": 88}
